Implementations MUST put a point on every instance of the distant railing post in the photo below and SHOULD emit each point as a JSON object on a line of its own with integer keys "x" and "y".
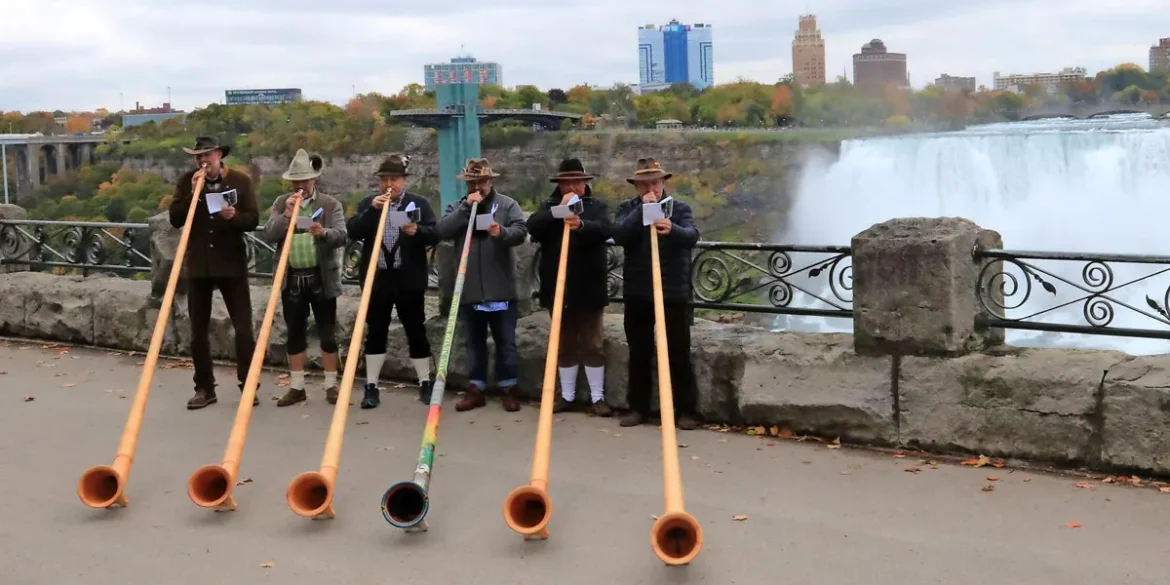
{"x": 13, "y": 247}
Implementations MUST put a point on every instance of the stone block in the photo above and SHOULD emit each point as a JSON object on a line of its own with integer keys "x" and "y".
{"x": 816, "y": 384}
{"x": 1137, "y": 415}
{"x": 915, "y": 283}
{"x": 164, "y": 242}
{"x": 123, "y": 315}
{"x": 60, "y": 308}
{"x": 1038, "y": 404}
{"x": 15, "y": 288}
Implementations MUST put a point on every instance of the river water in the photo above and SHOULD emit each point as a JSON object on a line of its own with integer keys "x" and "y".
{"x": 1054, "y": 185}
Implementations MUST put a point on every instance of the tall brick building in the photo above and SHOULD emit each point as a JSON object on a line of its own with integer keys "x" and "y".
{"x": 808, "y": 52}
{"x": 876, "y": 66}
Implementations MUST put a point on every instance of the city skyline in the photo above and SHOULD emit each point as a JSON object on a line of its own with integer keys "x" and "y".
{"x": 55, "y": 54}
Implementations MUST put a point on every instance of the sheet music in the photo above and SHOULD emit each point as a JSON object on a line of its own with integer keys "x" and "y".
{"x": 398, "y": 218}
{"x": 652, "y": 212}
{"x": 215, "y": 202}
{"x": 566, "y": 210}
{"x": 304, "y": 223}
{"x": 484, "y": 221}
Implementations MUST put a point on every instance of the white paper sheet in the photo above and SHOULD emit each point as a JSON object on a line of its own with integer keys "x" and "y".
{"x": 215, "y": 202}
{"x": 652, "y": 212}
{"x": 484, "y": 221}
{"x": 563, "y": 211}
{"x": 231, "y": 197}
{"x": 304, "y": 223}
{"x": 398, "y": 218}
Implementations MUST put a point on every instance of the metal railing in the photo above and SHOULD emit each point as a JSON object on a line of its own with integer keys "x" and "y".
{"x": 1121, "y": 295}
{"x": 75, "y": 246}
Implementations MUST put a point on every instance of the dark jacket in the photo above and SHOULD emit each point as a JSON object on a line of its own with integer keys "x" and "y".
{"x": 414, "y": 270}
{"x": 216, "y": 246}
{"x": 332, "y": 219}
{"x": 491, "y": 262}
{"x": 674, "y": 251}
{"x": 586, "y": 276}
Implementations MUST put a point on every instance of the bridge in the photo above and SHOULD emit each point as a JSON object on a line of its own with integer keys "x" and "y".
{"x": 1089, "y": 111}
{"x": 39, "y": 157}
{"x": 434, "y": 117}
{"x": 826, "y": 439}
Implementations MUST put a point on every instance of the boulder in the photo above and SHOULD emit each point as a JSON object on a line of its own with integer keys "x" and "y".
{"x": 14, "y": 291}
{"x": 1136, "y": 397}
{"x": 1038, "y": 404}
{"x": 164, "y": 241}
{"x": 60, "y": 308}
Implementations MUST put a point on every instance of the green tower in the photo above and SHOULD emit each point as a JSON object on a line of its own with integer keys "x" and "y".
{"x": 459, "y": 139}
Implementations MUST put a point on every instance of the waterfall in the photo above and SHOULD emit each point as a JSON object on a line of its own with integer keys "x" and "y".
{"x": 1065, "y": 186}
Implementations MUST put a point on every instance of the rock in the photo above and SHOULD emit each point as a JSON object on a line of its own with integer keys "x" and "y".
{"x": 915, "y": 285}
{"x": 815, "y": 384}
{"x": 1137, "y": 415}
{"x": 122, "y": 317}
{"x": 60, "y": 308}
{"x": 1038, "y": 404}
{"x": 164, "y": 241}
{"x": 14, "y": 290}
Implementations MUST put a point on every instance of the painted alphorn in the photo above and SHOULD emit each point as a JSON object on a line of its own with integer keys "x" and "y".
{"x": 103, "y": 486}
{"x": 528, "y": 508}
{"x": 310, "y": 494}
{"x": 676, "y": 536}
{"x": 211, "y": 486}
{"x": 405, "y": 504}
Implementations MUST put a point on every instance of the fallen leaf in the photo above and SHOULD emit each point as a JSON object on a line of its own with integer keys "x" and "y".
{"x": 1109, "y": 480}
{"x": 244, "y": 481}
{"x": 979, "y": 462}
{"x": 400, "y": 386}
{"x": 1135, "y": 480}
{"x": 999, "y": 464}
{"x": 911, "y": 470}
{"x": 616, "y": 435}
{"x": 774, "y": 431}
{"x": 653, "y": 516}
{"x": 1027, "y": 479}
{"x": 771, "y": 444}
{"x": 1085, "y": 485}
{"x": 603, "y": 430}
{"x": 992, "y": 478}
{"x": 899, "y": 455}
{"x": 755, "y": 431}
{"x": 560, "y": 420}
{"x": 267, "y": 565}
{"x": 694, "y": 457}
{"x": 359, "y": 423}
{"x": 739, "y": 518}
{"x": 836, "y": 444}
{"x": 304, "y": 416}
{"x": 989, "y": 488}
{"x": 1165, "y": 490}
{"x": 786, "y": 433}
{"x": 519, "y": 420}
{"x": 722, "y": 440}
{"x": 29, "y": 399}
{"x": 1072, "y": 525}
{"x": 682, "y": 445}
{"x": 68, "y": 385}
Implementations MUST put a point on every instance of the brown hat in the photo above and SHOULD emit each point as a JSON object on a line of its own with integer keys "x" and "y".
{"x": 648, "y": 169}
{"x": 571, "y": 169}
{"x": 476, "y": 169}
{"x": 395, "y": 165}
{"x": 207, "y": 144}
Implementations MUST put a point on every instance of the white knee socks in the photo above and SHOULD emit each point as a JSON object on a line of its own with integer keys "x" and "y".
{"x": 596, "y": 375}
{"x": 297, "y": 381}
{"x": 374, "y": 367}
{"x": 330, "y": 379}
{"x": 569, "y": 382}
{"x": 422, "y": 368}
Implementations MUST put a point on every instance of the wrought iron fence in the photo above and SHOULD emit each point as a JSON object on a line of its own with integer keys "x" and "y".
{"x": 75, "y": 246}
{"x": 1099, "y": 294}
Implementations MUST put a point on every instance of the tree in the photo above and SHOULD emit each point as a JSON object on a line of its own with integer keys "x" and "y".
{"x": 78, "y": 124}
{"x": 557, "y": 96}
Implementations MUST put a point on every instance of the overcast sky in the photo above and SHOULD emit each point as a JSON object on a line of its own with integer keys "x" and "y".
{"x": 85, "y": 54}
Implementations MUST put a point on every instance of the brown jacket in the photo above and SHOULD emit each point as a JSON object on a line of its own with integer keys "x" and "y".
{"x": 216, "y": 246}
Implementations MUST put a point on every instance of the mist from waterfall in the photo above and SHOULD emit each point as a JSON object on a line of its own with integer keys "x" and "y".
{"x": 1098, "y": 185}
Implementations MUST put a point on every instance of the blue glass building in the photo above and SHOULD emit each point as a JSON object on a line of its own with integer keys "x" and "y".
{"x": 676, "y": 53}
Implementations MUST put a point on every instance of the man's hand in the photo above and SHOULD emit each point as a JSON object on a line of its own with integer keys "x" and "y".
{"x": 380, "y": 201}
{"x": 574, "y": 222}
{"x": 650, "y": 197}
{"x": 317, "y": 230}
{"x": 474, "y": 197}
{"x": 199, "y": 174}
{"x": 410, "y": 229}
{"x": 568, "y": 196}
{"x": 228, "y": 213}
{"x": 494, "y": 231}
{"x": 663, "y": 226}
{"x": 291, "y": 205}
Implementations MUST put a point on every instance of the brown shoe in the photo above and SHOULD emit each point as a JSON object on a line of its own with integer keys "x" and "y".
{"x": 687, "y": 422}
{"x": 202, "y": 398}
{"x": 292, "y": 397}
{"x": 511, "y": 399}
{"x": 331, "y": 395}
{"x": 600, "y": 408}
{"x": 560, "y": 404}
{"x": 632, "y": 418}
{"x": 473, "y": 398}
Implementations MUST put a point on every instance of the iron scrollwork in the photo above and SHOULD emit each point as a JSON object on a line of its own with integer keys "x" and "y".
{"x": 743, "y": 273}
{"x": 62, "y": 245}
{"x": 1007, "y": 280}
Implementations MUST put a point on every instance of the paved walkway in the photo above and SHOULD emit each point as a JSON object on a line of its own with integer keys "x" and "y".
{"x": 814, "y": 515}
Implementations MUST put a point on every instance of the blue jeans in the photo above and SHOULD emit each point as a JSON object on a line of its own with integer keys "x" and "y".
{"x": 503, "y": 326}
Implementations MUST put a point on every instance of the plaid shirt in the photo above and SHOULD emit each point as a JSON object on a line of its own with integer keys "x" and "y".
{"x": 390, "y": 236}
{"x": 302, "y": 253}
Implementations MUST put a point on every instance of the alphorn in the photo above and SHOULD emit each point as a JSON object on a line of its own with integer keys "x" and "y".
{"x": 103, "y": 486}
{"x": 528, "y": 508}
{"x": 405, "y": 504}
{"x": 310, "y": 494}
{"x": 211, "y": 486}
{"x": 676, "y": 536}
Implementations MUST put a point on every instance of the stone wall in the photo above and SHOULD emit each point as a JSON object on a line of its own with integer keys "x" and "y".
{"x": 918, "y": 372}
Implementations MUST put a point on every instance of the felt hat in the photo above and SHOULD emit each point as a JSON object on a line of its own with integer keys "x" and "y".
{"x": 207, "y": 144}
{"x": 571, "y": 169}
{"x": 303, "y": 167}
{"x": 395, "y": 165}
{"x": 476, "y": 169}
{"x": 648, "y": 169}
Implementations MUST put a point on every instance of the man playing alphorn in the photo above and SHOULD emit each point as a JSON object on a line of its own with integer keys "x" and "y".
{"x": 489, "y": 293}
{"x": 313, "y": 277}
{"x": 586, "y": 290}
{"x": 216, "y": 258}
{"x": 677, "y": 236}
{"x": 402, "y": 274}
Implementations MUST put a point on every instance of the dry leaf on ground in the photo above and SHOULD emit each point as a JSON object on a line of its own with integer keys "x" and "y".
{"x": 911, "y": 470}
{"x": 1085, "y": 485}
{"x": 244, "y": 481}
{"x": 981, "y": 461}
{"x": 739, "y": 517}
{"x": 68, "y": 385}
{"x": 29, "y": 399}
{"x": 1027, "y": 479}
{"x": 400, "y": 386}
{"x": 836, "y": 444}
{"x": 694, "y": 457}
{"x": 899, "y": 455}
{"x": 989, "y": 488}
{"x": 1165, "y": 490}
{"x": 992, "y": 478}
{"x": 616, "y": 435}
{"x": 1072, "y": 525}
{"x": 362, "y": 422}
{"x": 267, "y": 565}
